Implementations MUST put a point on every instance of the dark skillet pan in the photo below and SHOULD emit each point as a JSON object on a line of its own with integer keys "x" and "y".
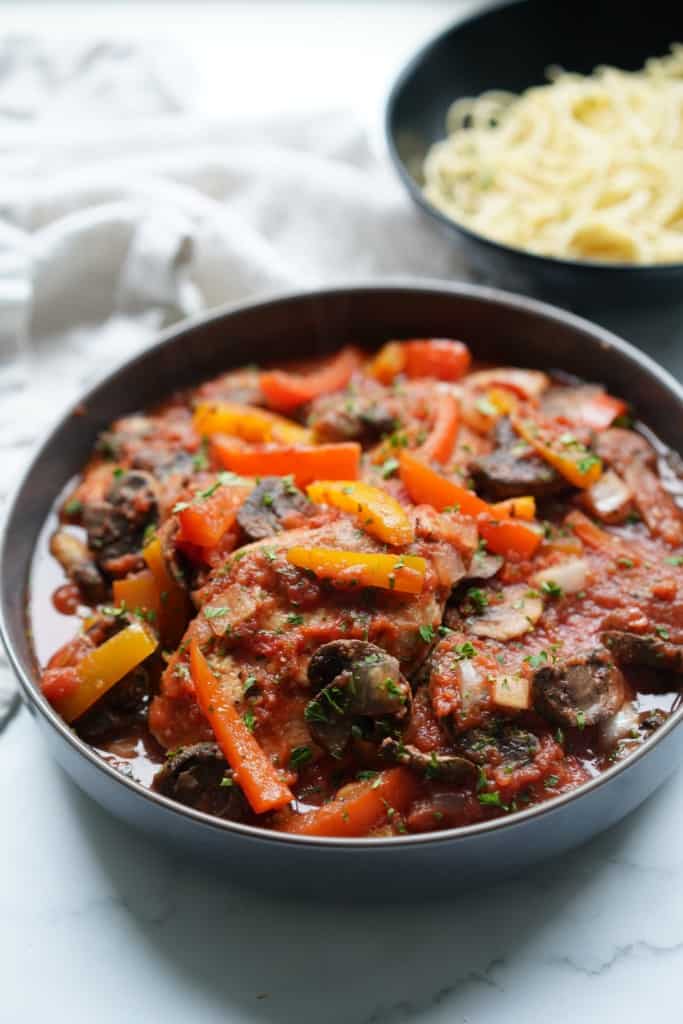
{"x": 510, "y": 46}
{"x": 499, "y": 327}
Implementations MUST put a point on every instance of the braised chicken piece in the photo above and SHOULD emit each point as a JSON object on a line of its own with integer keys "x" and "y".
{"x": 372, "y": 595}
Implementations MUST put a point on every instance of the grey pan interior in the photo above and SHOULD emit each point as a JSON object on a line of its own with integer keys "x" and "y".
{"x": 499, "y": 327}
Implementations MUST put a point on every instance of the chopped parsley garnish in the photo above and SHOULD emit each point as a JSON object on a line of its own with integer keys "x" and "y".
{"x": 366, "y": 775}
{"x": 295, "y": 619}
{"x": 551, "y": 781}
{"x": 426, "y": 633}
{"x": 109, "y": 609}
{"x": 72, "y": 508}
{"x": 393, "y": 689}
{"x": 675, "y": 560}
{"x": 215, "y": 612}
{"x": 625, "y": 563}
{"x": 389, "y": 468}
{"x": 465, "y": 650}
{"x": 587, "y": 462}
{"x": 300, "y": 756}
{"x": 662, "y": 631}
{"x": 226, "y": 782}
{"x": 536, "y": 660}
{"x": 249, "y": 682}
{"x": 249, "y": 719}
{"x": 551, "y": 589}
{"x": 491, "y": 799}
{"x": 269, "y": 554}
{"x": 477, "y": 598}
{"x": 580, "y": 720}
{"x": 180, "y": 506}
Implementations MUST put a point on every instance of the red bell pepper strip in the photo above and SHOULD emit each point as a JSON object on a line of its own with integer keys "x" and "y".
{"x": 439, "y": 444}
{"x": 255, "y": 774}
{"x": 436, "y": 357}
{"x": 305, "y": 463}
{"x": 284, "y": 391}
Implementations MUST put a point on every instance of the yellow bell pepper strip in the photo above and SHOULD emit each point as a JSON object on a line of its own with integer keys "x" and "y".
{"x": 388, "y": 363}
{"x": 255, "y": 774}
{"x": 205, "y": 519}
{"x": 439, "y": 444}
{"x": 561, "y": 449}
{"x": 502, "y": 535}
{"x": 248, "y": 423}
{"x": 105, "y": 667}
{"x": 403, "y": 573}
{"x": 138, "y": 591}
{"x": 517, "y": 508}
{"x": 305, "y": 463}
{"x": 174, "y": 605}
{"x": 358, "y": 808}
{"x": 436, "y": 357}
{"x": 377, "y": 512}
{"x": 285, "y": 391}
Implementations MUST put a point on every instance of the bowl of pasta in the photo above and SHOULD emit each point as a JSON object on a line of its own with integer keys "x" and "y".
{"x": 547, "y": 140}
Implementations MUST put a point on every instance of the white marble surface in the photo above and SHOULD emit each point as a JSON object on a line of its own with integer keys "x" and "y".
{"x": 97, "y": 923}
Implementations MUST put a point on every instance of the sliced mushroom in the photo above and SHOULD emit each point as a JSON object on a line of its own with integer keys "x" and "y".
{"x": 483, "y": 566}
{"x": 586, "y": 689}
{"x": 116, "y": 525}
{"x": 444, "y": 767}
{"x": 343, "y": 417}
{"x": 119, "y": 708}
{"x": 77, "y": 562}
{"x": 273, "y": 501}
{"x": 357, "y": 684}
{"x": 198, "y": 776}
{"x": 513, "y": 469}
{"x": 508, "y": 613}
{"x": 509, "y": 745}
{"x": 648, "y": 649}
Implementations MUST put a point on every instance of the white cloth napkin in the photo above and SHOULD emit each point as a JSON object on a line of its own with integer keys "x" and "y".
{"x": 121, "y": 210}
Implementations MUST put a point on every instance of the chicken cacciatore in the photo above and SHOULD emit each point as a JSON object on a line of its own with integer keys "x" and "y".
{"x": 379, "y": 595}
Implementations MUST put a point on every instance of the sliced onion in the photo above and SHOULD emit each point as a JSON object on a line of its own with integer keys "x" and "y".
{"x": 473, "y": 688}
{"x": 619, "y": 726}
{"x": 571, "y": 576}
{"x": 609, "y": 498}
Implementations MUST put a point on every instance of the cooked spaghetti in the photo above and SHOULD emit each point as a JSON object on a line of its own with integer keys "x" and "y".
{"x": 586, "y": 167}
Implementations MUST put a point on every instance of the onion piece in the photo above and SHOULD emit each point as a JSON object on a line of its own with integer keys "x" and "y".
{"x": 619, "y": 726}
{"x": 472, "y": 684}
{"x": 609, "y": 499}
{"x": 570, "y": 576}
{"x": 512, "y": 692}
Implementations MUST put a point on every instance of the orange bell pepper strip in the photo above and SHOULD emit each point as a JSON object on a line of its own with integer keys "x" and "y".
{"x": 248, "y": 423}
{"x": 517, "y": 508}
{"x": 388, "y": 363}
{"x": 105, "y": 667}
{"x": 255, "y": 774}
{"x": 403, "y": 573}
{"x": 436, "y": 357}
{"x": 600, "y": 410}
{"x": 174, "y": 608}
{"x": 138, "y": 591}
{"x": 502, "y": 535}
{"x": 204, "y": 520}
{"x": 360, "y": 808}
{"x": 439, "y": 444}
{"x": 377, "y": 512}
{"x": 284, "y": 391}
{"x": 305, "y": 463}
{"x": 561, "y": 450}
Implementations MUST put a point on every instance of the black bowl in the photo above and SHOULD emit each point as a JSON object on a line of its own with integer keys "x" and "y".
{"x": 510, "y": 47}
{"x": 499, "y": 327}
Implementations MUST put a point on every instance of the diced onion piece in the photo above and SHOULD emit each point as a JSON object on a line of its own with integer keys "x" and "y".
{"x": 512, "y": 692}
{"x": 472, "y": 684}
{"x": 609, "y": 499}
{"x": 619, "y": 726}
{"x": 569, "y": 576}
